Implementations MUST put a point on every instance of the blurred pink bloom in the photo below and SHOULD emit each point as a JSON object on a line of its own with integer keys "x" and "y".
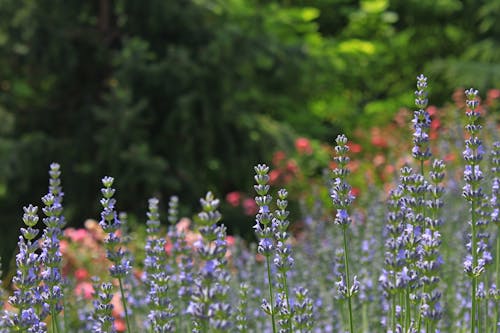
{"x": 76, "y": 235}
{"x": 303, "y": 146}
{"x": 81, "y": 274}
{"x": 120, "y": 325}
{"x": 354, "y": 147}
{"x": 183, "y": 225}
{"x": 84, "y": 289}
{"x": 230, "y": 240}
{"x": 292, "y": 167}
{"x": 493, "y": 93}
{"x": 278, "y": 157}
{"x": 233, "y": 198}
{"x": 274, "y": 175}
{"x": 168, "y": 247}
{"x": 249, "y": 207}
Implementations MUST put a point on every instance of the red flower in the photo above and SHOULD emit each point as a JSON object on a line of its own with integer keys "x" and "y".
{"x": 233, "y": 198}
{"x": 230, "y": 240}
{"x": 354, "y": 147}
{"x": 303, "y": 146}
{"x": 81, "y": 274}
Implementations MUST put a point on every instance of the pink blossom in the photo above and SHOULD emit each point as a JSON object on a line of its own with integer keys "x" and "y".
{"x": 81, "y": 274}
{"x": 249, "y": 207}
{"x": 84, "y": 289}
{"x": 303, "y": 146}
{"x": 76, "y": 235}
{"x": 233, "y": 198}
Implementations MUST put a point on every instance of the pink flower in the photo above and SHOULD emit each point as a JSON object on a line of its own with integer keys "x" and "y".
{"x": 303, "y": 146}
{"x": 84, "y": 289}
{"x": 76, "y": 235}
{"x": 249, "y": 207}
{"x": 354, "y": 147}
{"x": 81, "y": 274}
{"x": 292, "y": 167}
{"x": 233, "y": 198}
{"x": 493, "y": 93}
{"x": 274, "y": 175}
{"x": 230, "y": 240}
{"x": 278, "y": 157}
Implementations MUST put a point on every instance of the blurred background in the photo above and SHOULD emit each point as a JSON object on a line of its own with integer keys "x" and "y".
{"x": 184, "y": 96}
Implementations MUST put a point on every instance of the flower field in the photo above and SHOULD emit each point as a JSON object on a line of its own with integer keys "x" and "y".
{"x": 403, "y": 236}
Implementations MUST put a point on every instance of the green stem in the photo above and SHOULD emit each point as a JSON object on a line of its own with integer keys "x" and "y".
{"x": 270, "y": 291}
{"x": 497, "y": 266}
{"x": 124, "y": 302}
{"x": 408, "y": 309}
{"x": 346, "y": 261}
{"x": 394, "y": 301}
{"x": 53, "y": 314}
{"x": 285, "y": 285}
{"x": 474, "y": 265}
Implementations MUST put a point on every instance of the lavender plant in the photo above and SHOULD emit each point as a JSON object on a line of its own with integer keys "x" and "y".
{"x": 193, "y": 271}
{"x": 114, "y": 252}
{"x": 342, "y": 199}
{"x": 26, "y": 297}
{"x": 156, "y": 275}
{"x": 264, "y": 232}
{"x": 476, "y": 262}
{"x": 208, "y": 306}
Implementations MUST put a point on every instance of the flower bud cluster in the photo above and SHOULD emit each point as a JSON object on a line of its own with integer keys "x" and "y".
{"x": 111, "y": 224}
{"x": 102, "y": 320}
{"x": 421, "y": 122}
{"x": 209, "y": 304}
{"x": 341, "y": 190}
{"x": 263, "y": 220}
{"x": 156, "y": 274}
{"x": 475, "y": 264}
{"x": 26, "y": 297}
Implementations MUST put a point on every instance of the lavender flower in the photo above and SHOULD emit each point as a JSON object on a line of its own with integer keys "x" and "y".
{"x": 110, "y": 223}
{"x": 264, "y": 232}
{"x": 241, "y": 320}
{"x": 156, "y": 276}
{"x": 342, "y": 199}
{"x": 51, "y": 257}
{"x": 208, "y": 305}
{"x": 421, "y": 122}
{"x": 26, "y": 297}
{"x": 180, "y": 262}
{"x": 474, "y": 265}
{"x": 102, "y": 319}
{"x": 283, "y": 262}
{"x": 303, "y": 311}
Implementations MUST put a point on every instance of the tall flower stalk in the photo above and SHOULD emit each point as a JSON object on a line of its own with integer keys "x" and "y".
{"x": 421, "y": 124}
{"x": 25, "y": 297}
{"x": 51, "y": 257}
{"x": 264, "y": 232}
{"x": 474, "y": 265}
{"x": 110, "y": 223}
{"x": 495, "y": 219}
{"x": 283, "y": 261}
{"x": 156, "y": 274}
{"x": 209, "y": 306}
{"x": 342, "y": 199}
